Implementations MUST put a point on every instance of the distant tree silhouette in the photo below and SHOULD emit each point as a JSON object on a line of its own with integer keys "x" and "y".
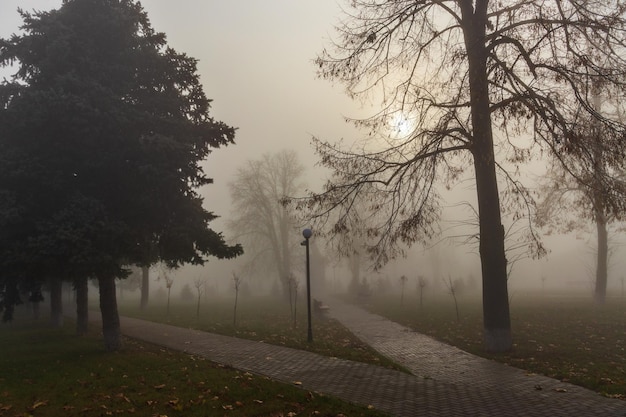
{"x": 259, "y": 220}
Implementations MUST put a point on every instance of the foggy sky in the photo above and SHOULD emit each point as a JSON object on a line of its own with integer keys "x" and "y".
{"x": 256, "y": 64}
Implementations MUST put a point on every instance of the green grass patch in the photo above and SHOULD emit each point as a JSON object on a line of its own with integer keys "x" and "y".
{"x": 566, "y": 337}
{"x": 52, "y": 372}
{"x": 264, "y": 319}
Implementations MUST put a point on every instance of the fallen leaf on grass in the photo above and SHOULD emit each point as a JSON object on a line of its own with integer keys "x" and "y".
{"x": 159, "y": 386}
{"x": 560, "y": 390}
{"x": 258, "y": 401}
{"x": 123, "y": 397}
{"x": 297, "y": 383}
{"x": 39, "y": 404}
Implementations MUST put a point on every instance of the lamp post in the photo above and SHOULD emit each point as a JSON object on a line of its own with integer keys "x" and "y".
{"x": 307, "y": 234}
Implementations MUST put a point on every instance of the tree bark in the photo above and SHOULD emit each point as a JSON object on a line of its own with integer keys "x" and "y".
{"x": 82, "y": 306}
{"x": 602, "y": 259}
{"x": 599, "y": 210}
{"x": 56, "y": 301}
{"x": 110, "y": 316}
{"x": 145, "y": 287}
{"x": 496, "y": 315}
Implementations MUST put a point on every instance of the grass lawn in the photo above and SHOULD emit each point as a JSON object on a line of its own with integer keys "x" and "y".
{"x": 48, "y": 372}
{"x": 262, "y": 318}
{"x": 562, "y": 336}
{"x": 52, "y": 372}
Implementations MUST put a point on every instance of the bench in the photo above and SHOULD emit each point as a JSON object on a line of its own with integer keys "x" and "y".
{"x": 320, "y": 307}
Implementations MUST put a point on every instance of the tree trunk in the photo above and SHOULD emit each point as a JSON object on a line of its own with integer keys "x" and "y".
{"x": 285, "y": 250}
{"x": 36, "y": 310}
{"x": 110, "y": 317}
{"x": 82, "y": 306}
{"x": 56, "y": 301}
{"x": 35, "y": 299}
{"x": 354, "y": 263}
{"x": 602, "y": 260}
{"x": 599, "y": 209}
{"x": 496, "y": 316}
{"x": 145, "y": 287}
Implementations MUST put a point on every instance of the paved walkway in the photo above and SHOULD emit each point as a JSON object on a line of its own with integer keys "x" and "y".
{"x": 446, "y": 382}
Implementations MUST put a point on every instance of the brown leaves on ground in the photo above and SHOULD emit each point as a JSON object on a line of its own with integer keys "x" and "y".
{"x": 38, "y": 404}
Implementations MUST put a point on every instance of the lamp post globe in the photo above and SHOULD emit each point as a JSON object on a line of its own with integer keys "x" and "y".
{"x": 307, "y": 233}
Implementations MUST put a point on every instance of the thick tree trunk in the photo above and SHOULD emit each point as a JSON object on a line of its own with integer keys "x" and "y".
{"x": 82, "y": 306}
{"x": 496, "y": 316}
{"x": 602, "y": 260}
{"x": 56, "y": 301}
{"x": 110, "y": 317}
{"x": 599, "y": 211}
{"x": 145, "y": 287}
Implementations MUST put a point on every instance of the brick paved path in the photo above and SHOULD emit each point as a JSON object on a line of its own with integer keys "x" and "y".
{"x": 501, "y": 390}
{"x": 447, "y": 381}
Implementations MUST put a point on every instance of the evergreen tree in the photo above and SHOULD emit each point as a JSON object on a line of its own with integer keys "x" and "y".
{"x": 104, "y": 128}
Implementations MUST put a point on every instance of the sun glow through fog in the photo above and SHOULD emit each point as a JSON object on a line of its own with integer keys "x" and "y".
{"x": 400, "y": 125}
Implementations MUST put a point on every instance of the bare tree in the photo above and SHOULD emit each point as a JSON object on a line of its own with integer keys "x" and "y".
{"x": 572, "y": 197}
{"x": 568, "y": 205}
{"x": 168, "y": 277}
{"x": 452, "y": 287}
{"x": 260, "y": 220}
{"x": 236, "y": 285}
{"x": 421, "y": 284}
{"x": 465, "y": 75}
{"x": 294, "y": 286}
{"x": 200, "y": 286}
{"x": 403, "y": 281}
{"x": 519, "y": 237}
